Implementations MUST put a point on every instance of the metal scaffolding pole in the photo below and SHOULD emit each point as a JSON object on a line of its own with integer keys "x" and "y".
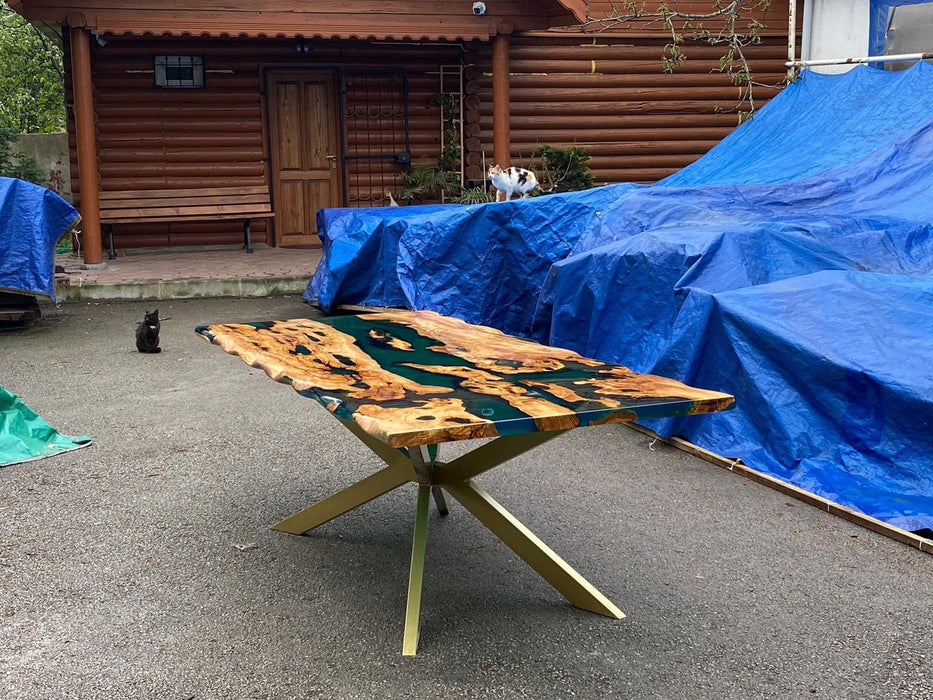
{"x": 893, "y": 58}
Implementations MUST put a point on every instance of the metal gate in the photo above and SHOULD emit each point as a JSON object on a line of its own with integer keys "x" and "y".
{"x": 375, "y": 134}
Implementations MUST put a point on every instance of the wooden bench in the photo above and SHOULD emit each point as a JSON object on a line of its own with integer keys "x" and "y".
{"x": 201, "y": 204}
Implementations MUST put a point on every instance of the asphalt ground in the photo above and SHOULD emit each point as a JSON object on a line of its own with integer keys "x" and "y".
{"x": 144, "y": 566}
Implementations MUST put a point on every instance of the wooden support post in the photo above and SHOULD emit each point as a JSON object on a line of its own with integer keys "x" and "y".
{"x": 87, "y": 145}
{"x": 501, "y": 139}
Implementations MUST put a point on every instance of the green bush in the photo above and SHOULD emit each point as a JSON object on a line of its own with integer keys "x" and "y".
{"x": 564, "y": 169}
{"x": 427, "y": 181}
{"x": 474, "y": 195}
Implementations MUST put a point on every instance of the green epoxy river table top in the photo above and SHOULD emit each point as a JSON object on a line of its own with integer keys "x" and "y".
{"x": 416, "y": 377}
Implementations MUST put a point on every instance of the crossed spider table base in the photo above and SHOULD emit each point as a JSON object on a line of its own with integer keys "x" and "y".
{"x": 421, "y": 466}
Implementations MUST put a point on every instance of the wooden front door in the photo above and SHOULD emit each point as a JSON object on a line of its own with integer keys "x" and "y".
{"x": 305, "y": 148}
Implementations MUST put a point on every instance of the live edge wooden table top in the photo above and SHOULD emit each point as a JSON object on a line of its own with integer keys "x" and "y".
{"x": 405, "y": 381}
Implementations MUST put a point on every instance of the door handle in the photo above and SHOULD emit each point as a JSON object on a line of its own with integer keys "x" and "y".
{"x": 333, "y": 161}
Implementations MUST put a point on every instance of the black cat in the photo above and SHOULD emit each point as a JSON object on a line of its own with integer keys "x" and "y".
{"x": 147, "y": 333}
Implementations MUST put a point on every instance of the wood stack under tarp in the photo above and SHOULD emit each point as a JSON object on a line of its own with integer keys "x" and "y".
{"x": 18, "y": 310}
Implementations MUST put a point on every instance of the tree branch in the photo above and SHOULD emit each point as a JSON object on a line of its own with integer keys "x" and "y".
{"x": 739, "y": 30}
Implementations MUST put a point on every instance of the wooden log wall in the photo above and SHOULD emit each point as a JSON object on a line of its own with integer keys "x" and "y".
{"x": 158, "y": 138}
{"x": 608, "y": 93}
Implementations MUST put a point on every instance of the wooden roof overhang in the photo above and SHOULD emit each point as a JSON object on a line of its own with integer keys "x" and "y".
{"x": 403, "y": 20}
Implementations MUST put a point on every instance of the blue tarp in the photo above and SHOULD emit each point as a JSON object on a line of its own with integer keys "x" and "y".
{"x": 32, "y": 219}
{"x": 791, "y": 266}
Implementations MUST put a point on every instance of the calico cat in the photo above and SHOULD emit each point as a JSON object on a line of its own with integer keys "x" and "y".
{"x": 512, "y": 180}
{"x": 147, "y": 333}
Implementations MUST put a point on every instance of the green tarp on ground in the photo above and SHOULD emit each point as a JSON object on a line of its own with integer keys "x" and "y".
{"x": 25, "y": 436}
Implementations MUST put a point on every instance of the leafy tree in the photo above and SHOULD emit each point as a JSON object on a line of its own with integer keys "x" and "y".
{"x": 31, "y": 77}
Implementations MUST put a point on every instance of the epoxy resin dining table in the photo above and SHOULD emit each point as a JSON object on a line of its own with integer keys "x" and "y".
{"x": 404, "y": 382}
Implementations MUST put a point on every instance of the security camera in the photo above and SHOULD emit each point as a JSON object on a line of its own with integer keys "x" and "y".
{"x": 479, "y": 8}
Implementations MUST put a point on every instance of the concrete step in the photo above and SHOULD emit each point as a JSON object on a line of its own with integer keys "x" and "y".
{"x": 187, "y": 273}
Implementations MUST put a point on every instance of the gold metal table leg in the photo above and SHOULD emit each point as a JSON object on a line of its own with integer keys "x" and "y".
{"x": 343, "y": 501}
{"x": 416, "y": 573}
{"x": 439, "y": 500}
{"x": 398, "y": 471}
{"x": 536, "y": 554}
{"x": 490, "y": 454}
{"x": 424, "y": 461}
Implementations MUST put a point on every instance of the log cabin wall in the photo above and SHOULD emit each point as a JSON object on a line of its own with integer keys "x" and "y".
{"x": 607, "y": 92}
{"x": 158, "y": 138}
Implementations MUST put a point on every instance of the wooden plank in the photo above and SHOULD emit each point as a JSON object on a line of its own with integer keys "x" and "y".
{"x": 193, "y": 207}
{"x": 739, "y": 467}
{"x": 208, "y": 210}
{"x": 162, "y": 202}
{"x": 176, "y": 212}
{"x": 200, "y": 208}
{"x": 149, "y": 194}
{"x": 168, "y": 214}
{"x": 118, "y": 154}
{"x": 199, "y": 217}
